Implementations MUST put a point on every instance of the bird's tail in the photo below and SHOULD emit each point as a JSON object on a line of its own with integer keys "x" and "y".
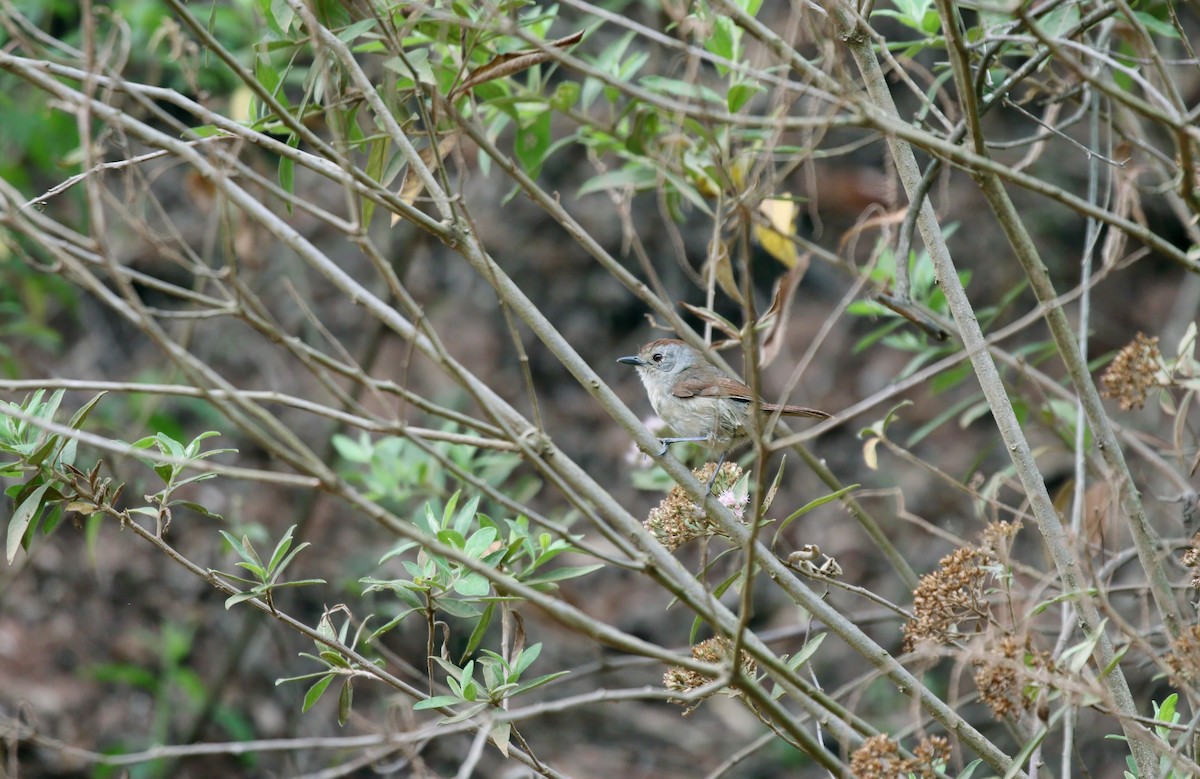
{"x": 795, "y": 411}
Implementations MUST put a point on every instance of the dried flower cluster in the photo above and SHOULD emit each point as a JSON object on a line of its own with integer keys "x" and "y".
{"x": 677, "y": 519}
{"x": 948, "y": 597}
{"x": 1191, "y": 559}
{"x": 998, "y": 536}
{"x": 879, "y": 758}
{"x": 1011, "y": 671}
{"x": 1184, "y": 657}
{"x": 713, "y": 650}
{"x": 1133, "y": 372}
{"x": 955, "y": 592}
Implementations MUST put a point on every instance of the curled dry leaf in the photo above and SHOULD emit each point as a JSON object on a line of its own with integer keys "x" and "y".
{"x": 805, "y": 560}
{"x": 431, "y": 157}
{"x": 719, "y": 266}
{"x": 714, "y": 319}
{"x": 863, "y": 225}
{"x": 806, "y": 553}
{"x": 774, "y": 320}
{"x": 513, "y": 62}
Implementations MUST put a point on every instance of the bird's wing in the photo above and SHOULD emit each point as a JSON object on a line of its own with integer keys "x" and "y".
{"x": 726, "y": 387}
{"x": 723, "y": 387}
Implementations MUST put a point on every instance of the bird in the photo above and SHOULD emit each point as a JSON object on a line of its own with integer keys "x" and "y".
{"x": 700, "y": 402}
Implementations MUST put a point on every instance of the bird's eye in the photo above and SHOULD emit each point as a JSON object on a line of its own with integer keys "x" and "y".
{"x": 657, "y": 357}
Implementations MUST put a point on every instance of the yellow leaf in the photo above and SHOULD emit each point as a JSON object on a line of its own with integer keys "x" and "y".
{"x": 720, "y": 266}
{"x": 870, "y": 455}
{"x": 776, "y": 239}
{"x": 240, "y": 103}
{"x": 737, "y": 173}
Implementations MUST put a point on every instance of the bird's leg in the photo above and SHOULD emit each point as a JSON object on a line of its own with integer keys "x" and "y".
{"x": 668, "y": 441}
{"x": 713, "y": 478}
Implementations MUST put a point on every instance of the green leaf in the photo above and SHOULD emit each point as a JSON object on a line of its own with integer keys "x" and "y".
{"x": 974, "y": 412}
{"x": 723, "y": 41}
{"x": 639, "y": 177}
{"x": 391, "y": 623}
{"x": 1165, "y": 712}
{"x": 813, "y": 504}
{"x": 458, "y": 608}
{"x": 287, "y": 172}
{"x": 1059, "y": 21}
{"x": 67, "y": 455}
{"x": 237, "y": 598}
{"x": 566, "y": 572}
{"x": 1078, "y": 655}
{"x": 526, "y": 658}
{"x": 472, "y": 585}
{"x": 165, "y": 472}
{"x": 258, "y": 571}
{"x": 315, "y": 692}
{"x": 465, "y": 714}
{"x": 355, "y": 30}
{"x": 345, "y": 701}
{"x": 680, "y": 88}
{"x": 1157, "y": 26}
{"x": 1027, "y": 749}
{"x": 281, "y": 548}
{"x": 48, "y": 411}
{"x": 500, "y": 734}
{"x": 436, "y": 702}
{"x": 266, "y": 74}
{"x": 479, "y": 542}
{"x": 806, "y": 652}
{"x": 944, "y": 416}
{"x": 207, "y": 131}
{"x": 481, "y": 626}
{"x": 687, "y": 191}
{"x": 565, "y": 96}
{"x": 22, "y": 518}
{"x": 299, "y": 583}
{"x": 970, "y": 769}
{"x": 417, "y": 69}
{"x": 452, "y": 538}
{"x": 40, "y": 454}
{"x": 325, "y": 630}
{"x": 377, "y": 159}
{"x": 950, "y": 378}
{"x": 198, "y": 477}
{"x": 334, "y": 659}
{"x": 282, "y": 14}
{"x": 196, "y": 507}
{"x": 349, "y": 449}
{"x": 739, "y": 94}
{"x": 538, "y": 682}
{"x": 397, "y": 550}
{"x": 1066, "y": 596}
{"x": 532, "y": 142}
{"x": 233, "y": 542}
{"x": 301, "y": 677}
{"x": 718, "y": 591}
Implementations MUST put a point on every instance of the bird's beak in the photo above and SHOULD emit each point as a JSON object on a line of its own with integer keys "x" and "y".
{"x": 632, "y": 360}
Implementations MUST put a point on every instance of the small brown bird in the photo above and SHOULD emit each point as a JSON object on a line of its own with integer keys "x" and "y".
{"x": 699, "y": 401}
